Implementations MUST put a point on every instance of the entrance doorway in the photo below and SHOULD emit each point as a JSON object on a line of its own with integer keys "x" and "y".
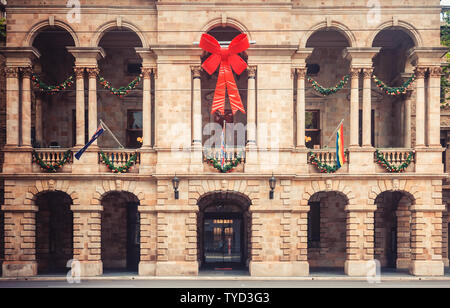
{"x": 224, "y": 230}
{"x": 223, "y": 239}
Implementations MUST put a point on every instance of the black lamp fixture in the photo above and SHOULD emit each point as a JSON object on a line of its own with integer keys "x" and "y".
{"x": 176, "y": 184}
{"x": 272, "y": 184}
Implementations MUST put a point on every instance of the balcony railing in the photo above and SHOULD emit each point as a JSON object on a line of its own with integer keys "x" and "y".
{"x": 119, "y": 157}
{"x": 230, "y": 153}
{"x": 397, "y": 157}
{"x": 52, "y": 157}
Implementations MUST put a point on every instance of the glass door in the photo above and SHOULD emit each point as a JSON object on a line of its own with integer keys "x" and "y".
{"x": 222, "y": 239}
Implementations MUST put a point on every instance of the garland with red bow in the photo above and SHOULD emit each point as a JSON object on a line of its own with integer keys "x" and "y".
{"x": 228, "y": 60}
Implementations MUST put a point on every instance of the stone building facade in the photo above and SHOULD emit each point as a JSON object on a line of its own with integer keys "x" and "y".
{"x": 138, "y": 221}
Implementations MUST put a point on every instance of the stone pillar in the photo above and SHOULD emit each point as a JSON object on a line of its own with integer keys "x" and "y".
{"x": 12, "y": 106}
{"x": 445, "y": 222}
{"x": 197, "y": 106}
{"x": 251, "y": 106}
{"x": 426, "y": 240}
{"x": 403, "y": 215}
{"x": 38, "y": 120}
{"x": 197, "y": 134}
{"x": 354, "y": 107}
{"x": 300, "y": 265}
{"x": 301, "y": 74}
{"x": 367, "y": 108}
{"x": 87, "y": 222}
{"x": 20, "y": 241}
{"x": 434, "y": 107}
{"x": 147, "y": 108}
{"x": 148, "y": 241}
{"x": 360, "y": 240}
{"x": 420, "y": 106}
{"x": 92, "y": 105}
{"x": 26, "y": 107}
{"x": 407, "y": 128}
{"x": 80, "y": 106}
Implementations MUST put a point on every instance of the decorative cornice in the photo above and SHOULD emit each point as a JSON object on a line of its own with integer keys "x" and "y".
{"x": 26, "y": 72}
{"x": 196, "y": 71}
{"x": 354, "y": 72}
{"x": 436, "y": 71}
{"x": 251, "y": 69}
{"x": 11, "y": 72}
{"x": 92, "y": 72}
{"x": 79, "y": 72}
{"x": 420, "y": 72}
{"x": 367, "y": 73}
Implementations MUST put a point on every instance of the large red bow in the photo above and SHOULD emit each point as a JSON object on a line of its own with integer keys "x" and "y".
{"x": 227, "y": 58}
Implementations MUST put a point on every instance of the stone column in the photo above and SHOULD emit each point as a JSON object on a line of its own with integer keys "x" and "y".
{"x": 148, "y": 241}
{"x": 354, "y": 107}
{"x": 12, "y": 106}
{"x": 301, "y": 74}
{"x": 367, "y": 108}
{"x": 20, "y": 241}
{"x": 407, "y": 129}
{"x": 251, "y": 106}
{"x": 360, "y": 240}
{"x": 92, "y": 104}
{"x": 80, "y": 106}
{"x": 147, "y": 108}
{"x": 420, "y": 106}
{"x": 426, "y": 240}
{"x": 434, "y": 107}
{"x": 87, "y": 239}
{"x": 38, "y": 120}
{"x": 26, "y": 107}
{"x": 196, "y": 106}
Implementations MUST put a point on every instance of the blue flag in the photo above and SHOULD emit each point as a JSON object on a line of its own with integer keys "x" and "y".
{"x": 97, "y": 134}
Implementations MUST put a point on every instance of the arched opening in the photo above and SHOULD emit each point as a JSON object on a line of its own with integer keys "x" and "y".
{"x": 392, "y": 66}
{"x": 52, "y": 124}
{"x": 235, "y": 136}
{"x": 392, "y": 237}
{"x": 121, "y": 65}
{"x": 120, "y": 240}
{"x": 54, "y": 232}
{"x": 327, "y": 231}
{"x": 224, "y": 230}
{"x": 327, "y": 66}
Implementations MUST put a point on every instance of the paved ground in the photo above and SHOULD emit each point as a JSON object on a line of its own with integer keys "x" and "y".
{"x": 227, "y": 284}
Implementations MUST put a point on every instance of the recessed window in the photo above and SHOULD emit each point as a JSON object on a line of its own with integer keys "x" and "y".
{"x": 313, "y": 69}
{"x": 312, "y": 129}
{"x": 134, "y": 68}
{"x": 134, "y": 128}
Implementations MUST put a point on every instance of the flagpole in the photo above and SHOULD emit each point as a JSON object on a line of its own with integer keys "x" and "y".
{"x": 109, "y": 131}
{"x": 329, "y": 139}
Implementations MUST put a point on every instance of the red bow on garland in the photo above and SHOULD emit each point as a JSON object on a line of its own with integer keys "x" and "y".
{"x": 228, "y": 59}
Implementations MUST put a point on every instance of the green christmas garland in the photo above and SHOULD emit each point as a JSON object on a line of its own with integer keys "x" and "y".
{"x": 53, "y": 167}
{"x": 122, "y": 169}
{"x": 323, "y": 168}
{"x": 328, "y": 91}
{"x": 51, "y": 89}
{"x": 389, "y": 167}
{"x": 394, "y": 91}
{"x": 226, "y": 168}
{"x": 122, "y": 91}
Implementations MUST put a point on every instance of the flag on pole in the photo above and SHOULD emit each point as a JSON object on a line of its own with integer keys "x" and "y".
{"x": 222, "y": 146}
{"x": 97, "y": 134}
{"x": 340, "y": 155}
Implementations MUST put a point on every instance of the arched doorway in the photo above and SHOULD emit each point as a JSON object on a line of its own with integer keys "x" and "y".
{"x": 224, "y": 231}
{"x": 50, "y": 111}
{"x": 120, "y": 232}
{"x": 392, "y": 236}
{"x": 327, "y": 231}
{"x": 54, "y": 232}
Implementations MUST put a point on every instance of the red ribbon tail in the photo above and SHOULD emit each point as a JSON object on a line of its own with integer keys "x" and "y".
{"x": 219, "y": 93}
{"x": 233, "y": 91}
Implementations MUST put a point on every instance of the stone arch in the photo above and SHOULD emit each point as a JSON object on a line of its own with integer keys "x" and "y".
{"x": 395, "y": 185}
{"x": 116, "y": 185}
{"x": 43, "y": 186}
{"x": 328, "y": 186}
{"x": 247, "y": 188}
{"x": 398, "y": 25}
{"x": 29, "y": 39}
{"x": 226, "y": 22}
{"x": 340, "y": 27}
{"x": 100, "y": 32}
{"x": 242, "y": 200}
